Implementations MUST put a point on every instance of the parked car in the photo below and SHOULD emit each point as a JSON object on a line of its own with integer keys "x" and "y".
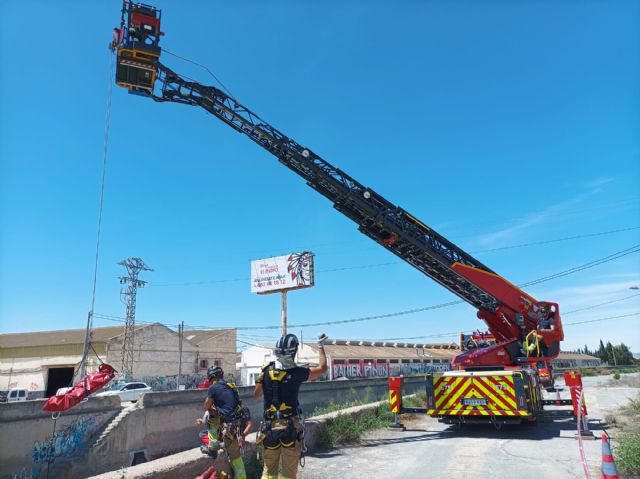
{"x": 127, "y": 391}
{"x": 17, "y": 394}
{"x": 3, "y": 397}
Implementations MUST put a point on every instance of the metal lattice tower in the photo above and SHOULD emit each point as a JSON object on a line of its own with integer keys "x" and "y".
{"x": 128, "y": 297}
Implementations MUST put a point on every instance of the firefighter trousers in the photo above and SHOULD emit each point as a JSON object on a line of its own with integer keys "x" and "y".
{"x": 232, "y": 447}
{"x": 287, "y": 456}
{"x": 281, "y": 449}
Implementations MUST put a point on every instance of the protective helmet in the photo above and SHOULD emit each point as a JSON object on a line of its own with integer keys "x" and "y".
{"x": 214, "y": 371}
{"x": 287, "y": 345}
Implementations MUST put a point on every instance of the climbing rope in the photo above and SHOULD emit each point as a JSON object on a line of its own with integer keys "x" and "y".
{"x": 105, "y": 155}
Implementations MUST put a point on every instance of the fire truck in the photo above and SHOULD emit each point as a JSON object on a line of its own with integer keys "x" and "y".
{"x": 496, "y": 381}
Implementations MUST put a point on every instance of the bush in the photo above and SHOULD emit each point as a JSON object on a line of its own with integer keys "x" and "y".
{"x": 344, "y": 429}
{"x": 627, "y": 453}
{"x": 616, "y": 375}
{"x": 419, "y": 400}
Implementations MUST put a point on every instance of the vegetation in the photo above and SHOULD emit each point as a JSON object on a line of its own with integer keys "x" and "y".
{"x": 612, "y": 355}
{"x": 354, "y": 401}
{"x": 627, "y": 448}
{"x": 616, "y": 375}
{"x": 344, "y": 429}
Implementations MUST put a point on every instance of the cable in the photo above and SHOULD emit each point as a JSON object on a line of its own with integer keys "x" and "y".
{"x": 590, "y": 264}
{"x": 105, "y": 155}
{"x": 601, "y": 304}
{"x": 558, "y": 240}
{"x": 205, "y": 68}
{"x": 391, "y": 263}
{"x": 603, "y": 319}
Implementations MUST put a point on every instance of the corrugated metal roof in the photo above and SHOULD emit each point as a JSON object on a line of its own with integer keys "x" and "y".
{"x": 570, "y": 355}
{"x": 60, "y": 337}
{"x": 201, "y": 335}
{"x": 339, "y": 351}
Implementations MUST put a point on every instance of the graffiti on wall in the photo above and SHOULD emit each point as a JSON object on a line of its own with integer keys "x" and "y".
{"x": 418, "y": 368}
{"x": 64, "y": 441}
{"x": 379, "y": 369}
{"x": 170, "y": 383}
{"x": 23, "y": 473}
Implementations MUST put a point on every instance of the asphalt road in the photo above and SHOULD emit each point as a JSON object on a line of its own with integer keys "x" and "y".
{"x": 430, "y": 449}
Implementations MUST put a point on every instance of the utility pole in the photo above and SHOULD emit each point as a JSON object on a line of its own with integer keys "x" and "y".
{"x": 128, "y": 296}
{"x": 180, "y": 338}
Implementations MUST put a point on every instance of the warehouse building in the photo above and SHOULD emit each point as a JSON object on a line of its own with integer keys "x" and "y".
{"x": 44, "y": 361}
{"x": 366, "y": 359}
{"x": 358, "y": 359}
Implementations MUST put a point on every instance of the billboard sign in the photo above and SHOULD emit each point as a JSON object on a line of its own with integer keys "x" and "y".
{"x": 282, "y": 273}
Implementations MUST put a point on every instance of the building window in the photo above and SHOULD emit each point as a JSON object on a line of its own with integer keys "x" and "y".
{"x": 204, "y": 364}
{"x": 217, "y": 362}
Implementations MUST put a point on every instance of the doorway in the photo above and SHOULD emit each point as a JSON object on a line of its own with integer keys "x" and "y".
{"x": 58, "y": 378}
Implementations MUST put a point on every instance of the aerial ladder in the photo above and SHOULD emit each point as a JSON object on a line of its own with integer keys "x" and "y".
{"x": 510, "y": 314}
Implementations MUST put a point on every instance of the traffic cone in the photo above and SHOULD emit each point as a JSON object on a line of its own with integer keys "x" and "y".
{"x": 609, "y": 470}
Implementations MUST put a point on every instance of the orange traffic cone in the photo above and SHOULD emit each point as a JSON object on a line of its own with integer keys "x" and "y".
{"x": 609, "y": 470}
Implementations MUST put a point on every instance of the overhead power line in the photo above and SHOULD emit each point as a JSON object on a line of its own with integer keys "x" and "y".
{"x": 603, "y": 319}
{"x": 601, "y": 304}
{"x": 392, "y": 263}
{"x": 591, "y": 264}
{"x": 576, "y": 269}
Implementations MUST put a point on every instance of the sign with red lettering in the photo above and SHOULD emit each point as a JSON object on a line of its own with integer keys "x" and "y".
{"x": 282, "y": 273}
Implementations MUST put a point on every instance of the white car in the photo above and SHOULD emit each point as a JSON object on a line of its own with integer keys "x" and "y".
{"x": 127, "y": 391}
{"x": 17, "y": 394}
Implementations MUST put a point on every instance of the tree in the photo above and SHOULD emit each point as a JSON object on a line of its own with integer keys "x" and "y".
{"x": 602, "y": 353}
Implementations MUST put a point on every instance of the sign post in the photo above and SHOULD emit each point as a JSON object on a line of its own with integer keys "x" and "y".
{"x": 284, "y": 312}
{"x": 282, "y": 274}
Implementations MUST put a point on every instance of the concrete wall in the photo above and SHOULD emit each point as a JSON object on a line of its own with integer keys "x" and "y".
{"x": 166, "y": 422}
{"x": 29, "y": 444}
{"x": 163, "y": 424}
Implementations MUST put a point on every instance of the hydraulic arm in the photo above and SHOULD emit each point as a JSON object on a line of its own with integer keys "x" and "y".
{"x": 509, "y": 312}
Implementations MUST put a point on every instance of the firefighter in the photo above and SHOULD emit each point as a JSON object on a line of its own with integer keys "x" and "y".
{"x": 281, "y": 431}
{"x": 226, "y": 419}
{"x": 546, "y": 322}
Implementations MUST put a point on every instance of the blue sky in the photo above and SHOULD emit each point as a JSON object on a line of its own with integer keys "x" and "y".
{"x": 498, "y": 124}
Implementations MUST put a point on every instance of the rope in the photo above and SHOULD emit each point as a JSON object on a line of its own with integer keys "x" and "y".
{"x": 94, "y": 352}
{"x": 105, "y": 155}
{"x": 53, "y": 433}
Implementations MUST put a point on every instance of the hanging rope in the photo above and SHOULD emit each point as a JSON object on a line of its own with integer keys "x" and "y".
{"x": 49, "y": 452}
{"x": 105, "y": 155}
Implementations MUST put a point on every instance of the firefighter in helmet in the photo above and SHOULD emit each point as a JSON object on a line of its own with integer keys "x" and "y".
{"x": 227, "y": 419}
{"x": 279, "y": 383}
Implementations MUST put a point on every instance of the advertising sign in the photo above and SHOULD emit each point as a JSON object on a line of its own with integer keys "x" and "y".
{"x": 282, "y": 273}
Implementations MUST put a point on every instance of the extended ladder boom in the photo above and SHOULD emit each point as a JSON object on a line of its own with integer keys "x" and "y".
{"x": 510, "y": 313}
{"x": 385, "y": 223}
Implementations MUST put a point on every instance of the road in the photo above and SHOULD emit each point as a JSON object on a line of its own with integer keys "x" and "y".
{"x": 430, "y": 449}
